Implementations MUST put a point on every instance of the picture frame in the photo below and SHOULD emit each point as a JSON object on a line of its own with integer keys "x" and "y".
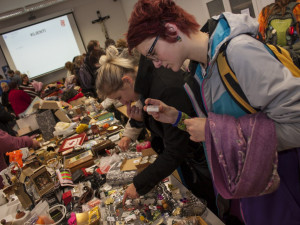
{"x": 71, "y": 142}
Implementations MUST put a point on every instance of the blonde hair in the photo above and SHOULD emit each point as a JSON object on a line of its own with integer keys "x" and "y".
{"x": 112, "y": 69}
{"x": 4, "y": 84}
{"x": 121, "y": 43}
{"x": 134, "y": 57}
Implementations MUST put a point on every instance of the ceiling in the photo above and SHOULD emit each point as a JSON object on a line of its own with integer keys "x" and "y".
{"x": 11, "y": 8}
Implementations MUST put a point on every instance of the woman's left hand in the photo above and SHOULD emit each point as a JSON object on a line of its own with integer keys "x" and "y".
{"x": 196, "y": 128}
{"x": 130, "y": 192}
{"x": 134, "y": 112}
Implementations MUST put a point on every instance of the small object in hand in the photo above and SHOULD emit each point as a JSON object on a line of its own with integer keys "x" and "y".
{"x": 152, "y": 108}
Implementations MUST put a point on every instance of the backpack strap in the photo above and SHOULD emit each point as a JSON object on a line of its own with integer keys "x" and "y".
{"x": 230, "y": 81}
{"x": 283, "y": 56}
{"x": 292, "y": 5}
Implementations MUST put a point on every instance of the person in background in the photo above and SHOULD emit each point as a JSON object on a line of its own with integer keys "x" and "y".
{"x": 78, "y": 61}
{"x": 87, "y": 70}
{"x": 10, "y": 143}
{"x": 18, "y": 73}
{"x": 253, "y": 158}
{"x": 4, "y": 97}
{"x": 92, "y": 45}
{"x": 70, "y": 67}
{"x": 27, "y": 86}
{"x": 7, "y": 121}
{"x": 1, "y": 81}
{"x": 70, "y": 82}
{"x": 277, "y": 6}
{"x": 94, "y": 60}
{"x": 18, "y": 99}
{"x": 121, "y": 43}
{"x": 109, "y": 42}
{"x": 14, "y": 77}
{"x": 121, "y": 80}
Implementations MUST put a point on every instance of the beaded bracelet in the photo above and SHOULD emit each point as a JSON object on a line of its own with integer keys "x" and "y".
{"x": 181, "y": 124}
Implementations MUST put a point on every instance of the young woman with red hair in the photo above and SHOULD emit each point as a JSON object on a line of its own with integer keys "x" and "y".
{"x": 253, "y": 157}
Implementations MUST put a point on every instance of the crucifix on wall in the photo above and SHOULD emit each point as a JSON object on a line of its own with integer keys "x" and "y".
{"x": 101, "y": 20}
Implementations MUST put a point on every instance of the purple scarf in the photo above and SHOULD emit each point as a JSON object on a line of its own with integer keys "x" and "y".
{"x": 242, "y": 154}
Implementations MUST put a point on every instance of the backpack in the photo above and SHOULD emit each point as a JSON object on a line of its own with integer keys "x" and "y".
{"x": 283, "y": 30}
{"x": 228, "y": 77}
{"x": 231, "y": 83}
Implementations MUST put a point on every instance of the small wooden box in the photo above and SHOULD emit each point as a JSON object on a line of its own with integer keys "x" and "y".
{"x": 85, "y": 159}
{"x": 42, "y": 180}
{"x": 100, "y": 147}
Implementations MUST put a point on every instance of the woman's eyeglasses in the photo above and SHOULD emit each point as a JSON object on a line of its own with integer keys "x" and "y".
{"x": 149, "y": 54}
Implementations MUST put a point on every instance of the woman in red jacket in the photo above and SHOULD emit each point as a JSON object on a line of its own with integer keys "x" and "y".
{"x": 18, "y": 99}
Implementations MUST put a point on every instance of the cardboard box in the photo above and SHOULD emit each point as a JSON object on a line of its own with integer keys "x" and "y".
{"x": 135, "y": 164}
{"x": 150, "y": 153}
{"x": 79, "y": 101}
{"x": 130, "y": 164}
{"x": 25, "y": 130}
{"x": 29, "y": 121}
{"x": 50, "y": 105}
{"x": 62, "y": 116}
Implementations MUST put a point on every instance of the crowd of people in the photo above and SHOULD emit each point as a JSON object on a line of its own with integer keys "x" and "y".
{"x": 244, "y": 165}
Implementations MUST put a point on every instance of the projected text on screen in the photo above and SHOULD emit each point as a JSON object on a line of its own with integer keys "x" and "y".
{"x": 43, "y": 47}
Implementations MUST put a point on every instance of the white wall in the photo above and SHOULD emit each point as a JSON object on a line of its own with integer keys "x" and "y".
{"x": 119, "y": 12}
{"x": 197, "y": 8}
{"x": 84, "y": 12}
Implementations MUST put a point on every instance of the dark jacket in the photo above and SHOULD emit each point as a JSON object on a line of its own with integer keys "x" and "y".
{"x": 7, "y": 121}
{"x": 5, "y": 101}
{"x": 176, "y": 149}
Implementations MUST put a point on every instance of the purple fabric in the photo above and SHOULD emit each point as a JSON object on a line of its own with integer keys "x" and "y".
{"x": 242, "y": 154}
{"x": 283, "y": 205}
